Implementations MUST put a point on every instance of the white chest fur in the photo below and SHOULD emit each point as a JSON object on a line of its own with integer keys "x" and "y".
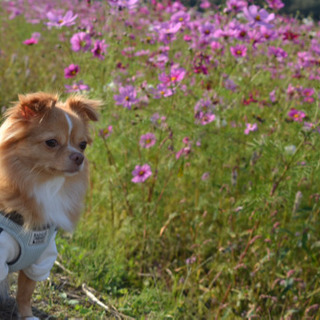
{"x": 55, "y": 202}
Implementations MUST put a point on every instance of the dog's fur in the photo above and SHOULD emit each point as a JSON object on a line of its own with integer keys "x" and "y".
{"x": 43, "y": 173}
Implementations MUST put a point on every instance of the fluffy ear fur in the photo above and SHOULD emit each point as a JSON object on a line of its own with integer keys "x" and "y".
{"x": 33, "y": 105}
{"x": 86, "y": 108}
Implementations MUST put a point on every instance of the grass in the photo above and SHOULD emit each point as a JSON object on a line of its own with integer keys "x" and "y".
{"x": 241, "y": 241}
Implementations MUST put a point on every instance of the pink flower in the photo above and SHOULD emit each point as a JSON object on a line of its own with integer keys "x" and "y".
{"x": 275, "y": 4}
{"x": 239, "y": 50}
{"x": 296, "y": 115}
{"x": 258, "y": 17}
{"x": 183, "y": 152}
{"x": 71, "y": 71}
{"x": 80, "y": 41}
{"x": 161, "y": 91}
{"x": 100, "y": 48}
{"x": 105, "y": 133}
{"x": 33, "y": 40}
{"x": 77, "y": 87}
{"x": 250, "y": 127}
{"x": 59, "y": 21}
{"x": 141, "y": 173}
{"x": 147, "y": 140}
{"x": 127, "y": 97}
{"x": 176, "y": 75}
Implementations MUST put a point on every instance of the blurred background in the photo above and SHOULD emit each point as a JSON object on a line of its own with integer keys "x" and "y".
{"x": 304, "y": 8}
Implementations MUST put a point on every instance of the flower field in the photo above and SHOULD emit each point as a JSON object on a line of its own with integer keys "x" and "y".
{"x": 205, "y": 173}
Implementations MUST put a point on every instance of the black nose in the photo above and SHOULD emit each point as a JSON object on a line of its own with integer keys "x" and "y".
{"x": 77, "y": 157}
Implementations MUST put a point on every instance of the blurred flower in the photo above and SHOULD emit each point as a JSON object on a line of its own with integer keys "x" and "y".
{"x": 77, "y": 87}
{"x": 57, "y": 20}
{"x": 33, "y": 40}
{"x": 141, "y": 173}
{"x": 99, "y": 49}
{"x": 296, "y": 115}
{"x": 258, "y": 17}
{"x": 80, "y": 41}
{"x": 176, "y": 75}
{"x": 205, "y": 176}
{"x": 239, "y": 50}
{"x": 235, "y": 5}
{"x": 183, "y": 152}
{"x": 147, "y": 140}
{"x": 105, "y": 133}
{"x": 71, "y": 71}
{"x": 126, "y": 97}
{"x": 250, "y": 127}
{"x": 161, "y": 91}
{"x": 275, "y": 4}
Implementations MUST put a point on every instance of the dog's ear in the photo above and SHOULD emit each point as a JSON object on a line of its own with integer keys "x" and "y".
{"x": 33, "y": 105}
{"x": 87, "y": 109}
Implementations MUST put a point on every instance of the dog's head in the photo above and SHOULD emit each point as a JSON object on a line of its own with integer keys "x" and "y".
{"x": 48, "y": 136}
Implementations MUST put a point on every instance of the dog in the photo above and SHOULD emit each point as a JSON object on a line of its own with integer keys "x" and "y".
{"x": 43, "y": 180}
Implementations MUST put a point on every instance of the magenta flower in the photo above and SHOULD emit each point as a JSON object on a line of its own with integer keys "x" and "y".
{"x": 141, "y": 173}
{"x": 239, "y": 50}
{"x": 183, "y": 152}
{"x": 105, "y": 133}
{"x": 126, "y": 97}
{"x": 147, "y": 140}
{"x": 250, "y": 128}
{"x": 99, "y": 49}
{"x": 77, "y": 87}
{"x": 71, "y": 71}
{"x": 235, "y": 5}
{"x": 206, "y": 118}
{"x": 275, "y": 4}
{"x": 80, "y": 41}
{"x": 277, "y": 52}
{"x": 33, "y": 40}
{"x": 296, "y": 115}
{"x": 161, "y": 91}
{"x": 258, "y": 17}
{"x": 176, "y": 75}
{"x": 57, "y": 20}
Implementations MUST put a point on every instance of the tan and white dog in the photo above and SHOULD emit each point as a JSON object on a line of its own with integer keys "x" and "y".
{"x": 43, "y": 180}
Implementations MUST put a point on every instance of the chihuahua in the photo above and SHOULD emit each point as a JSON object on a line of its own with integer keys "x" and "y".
{"x": 43, "y": 180}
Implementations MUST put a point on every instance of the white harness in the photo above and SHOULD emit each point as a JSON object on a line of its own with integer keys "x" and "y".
{"x": 32, "y": 242}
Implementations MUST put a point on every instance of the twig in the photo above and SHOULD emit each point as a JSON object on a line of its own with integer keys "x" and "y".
{"x": 94, "y": 299}
{"x": 63, "y": 267}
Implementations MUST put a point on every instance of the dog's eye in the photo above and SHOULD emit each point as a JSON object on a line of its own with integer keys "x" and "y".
{"x": 83, "y": 145}
{"x": 52, "y": 143}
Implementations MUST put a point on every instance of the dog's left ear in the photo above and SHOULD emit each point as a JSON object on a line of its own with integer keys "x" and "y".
{"x": 86, "y": 108}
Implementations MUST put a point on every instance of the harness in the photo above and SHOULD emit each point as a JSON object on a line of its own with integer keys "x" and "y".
{"x": 32, "y": 242}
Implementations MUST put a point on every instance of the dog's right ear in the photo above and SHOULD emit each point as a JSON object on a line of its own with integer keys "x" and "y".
{"x": 33, "y": 105}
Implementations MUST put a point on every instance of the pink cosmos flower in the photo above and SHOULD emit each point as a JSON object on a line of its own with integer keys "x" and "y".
{"x": 162, "y": 91}
{"x": 206, "y": 118}
{"x": 99, "y": 49}
{"x": 126, "y": 97}
{"x": 258, "y": 17}
{"x": 58, "y": 21}
{"x": 176, "y": 75}
{"x": 77, "y": 87}
{"x": 147, "y": 140}
{"x": 275, "y": 4}
{"x": 80, "y": 41}
{"x": 250, "y": 127}
{"x": 105, "y": 133}
{"x": 71, "y": 71}
{"x": 235, "y": 5}
{"x": 296, "y": 115}
{"x": 33, "y": 40}
{"x": 277, "y": 52}
{"x": 183, "y": 152}
{"x": 239, "y": 50}
{"x": 141, "y": 173}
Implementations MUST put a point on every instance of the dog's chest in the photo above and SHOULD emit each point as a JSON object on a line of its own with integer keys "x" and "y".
{"x": 55, "y": 202}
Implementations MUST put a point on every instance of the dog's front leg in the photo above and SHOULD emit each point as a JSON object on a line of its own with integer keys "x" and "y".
{"x": 26, "y": 287}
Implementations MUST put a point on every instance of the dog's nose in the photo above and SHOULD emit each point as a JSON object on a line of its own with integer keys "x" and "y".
{"x": 77, "y": 157}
